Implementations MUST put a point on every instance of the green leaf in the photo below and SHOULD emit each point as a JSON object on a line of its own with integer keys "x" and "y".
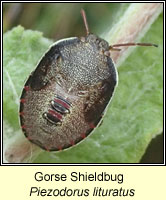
{"x": 133, "y": 118}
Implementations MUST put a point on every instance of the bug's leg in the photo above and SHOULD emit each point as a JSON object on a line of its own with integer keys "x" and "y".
{"x": 107, "y": 53}
{"x": 111, "y": 48}
{"x": 132, "y": 44}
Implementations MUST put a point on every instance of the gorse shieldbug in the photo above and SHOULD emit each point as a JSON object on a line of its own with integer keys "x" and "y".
{"x": 65, "y": 97}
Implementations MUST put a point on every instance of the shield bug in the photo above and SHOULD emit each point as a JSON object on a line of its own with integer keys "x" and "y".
{"x": 65, "y": 97}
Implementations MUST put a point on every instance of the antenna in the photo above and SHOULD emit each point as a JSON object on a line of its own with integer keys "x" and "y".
{"x": 131, "y": 44}
{"x": 85, "y": 21}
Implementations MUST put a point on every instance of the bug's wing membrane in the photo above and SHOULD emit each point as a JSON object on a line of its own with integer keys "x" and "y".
{"x": 46, "y": 69}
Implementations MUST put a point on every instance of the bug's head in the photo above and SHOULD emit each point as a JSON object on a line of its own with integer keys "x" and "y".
{"x": 91, "y": 38}
{"x": 102, "y": 44}
{"x": 99, "y": 42}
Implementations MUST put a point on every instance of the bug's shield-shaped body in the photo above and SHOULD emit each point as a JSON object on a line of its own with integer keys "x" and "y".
{"x": 65, "y": 97}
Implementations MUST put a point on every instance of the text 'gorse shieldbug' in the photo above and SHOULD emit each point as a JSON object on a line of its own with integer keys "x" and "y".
{"x": 64, "y": 99}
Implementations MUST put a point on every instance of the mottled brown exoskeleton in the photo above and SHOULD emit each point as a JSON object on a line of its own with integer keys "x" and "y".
{"x": 64, "y": 99}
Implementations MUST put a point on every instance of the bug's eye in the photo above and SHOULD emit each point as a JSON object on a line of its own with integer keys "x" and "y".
{"x": 103, "y": 44}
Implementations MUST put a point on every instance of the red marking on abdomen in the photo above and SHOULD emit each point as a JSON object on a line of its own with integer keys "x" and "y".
{"x": 26, "y": 88}
{"x": 60, "y": 148}
{"x": 22, "y": 100}
{"x": 47, "y": 149}
{"x": 83, "y": 135}
{"x": 29, "y": 138}
{"x": 64, "y": 104}
{"x": 92, "y": 125}
{"x": 72, "y": 142}
{"x": 55, "y": 114}
{"x": 21, "y": 113}
{"x": 23, "y": 126}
